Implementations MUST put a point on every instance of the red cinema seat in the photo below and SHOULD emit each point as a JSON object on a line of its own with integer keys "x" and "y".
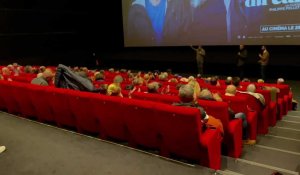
{"x": 182, "y": 135}
{"x": 141, "y": 122}
{"x": 262, "y": 112}
{"x": 21, "y": 93}
{"x": 232, "y": 127}
{"x": 41, "y": 100}
{"x": 167, "y": 99}
{"x": 80, "y": 105}
{"x": 239, "y": 104}
{"x": 272, "y": 106}
{"x": 108, "y": 110}
{"x": 59, "y": 101}
{"x": 3, "y": 93}
{"x": 10, "y": 101}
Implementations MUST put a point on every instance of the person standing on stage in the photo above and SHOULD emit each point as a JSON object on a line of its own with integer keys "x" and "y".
{"x": 241, "y": 59}
{"x": 200, "y": 55}
{"x": 263, "y": 61}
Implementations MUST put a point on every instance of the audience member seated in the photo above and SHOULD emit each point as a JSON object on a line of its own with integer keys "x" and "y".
{"x": 228, "y": 81}
{"x": 196, "y": 87}
{"x": 99, "y": 77}
{"x": 138, "y": 81}
{"x": 178, "y": 86}
{"x": 245, "y": 80}
{"x": 206, "y": 94}
{"x": 173, "y": 80}
{"x": 103, "y": 89}
{"x": 251, "y": 90}
{"x": 42, "y": 69}
{"x": 236, "y": 82}
{"x": 214, "y": 81}
{"x": 6, "y": 73}
{"x": 294, "y": 102}
{"x": 260, "y": 81}
{"x": 231, "y": 91}
{"x": 28, "y": 69}
{"x": 183, "y": 79}
{"x": 111, "y": 70}
{"x": 44, "y": 78}
{"x": 187, "y": 98}
{"x": 146, "y": 78}
{"x": 153, "y": 87}
{"x": 280, "y": 81}
{"x": 163, "y": 76}
{"x": 114, "y": 89}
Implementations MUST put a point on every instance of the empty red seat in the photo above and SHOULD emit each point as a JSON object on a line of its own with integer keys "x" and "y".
{"x": 20, "y": 92}
{"x": 81, "y": 107}
{"x": 59, "y": 101}
{"x": 109, "y": 111}
{"x": 141, "y": 123}
{"x": 41, "y": 97}
{"x": 10, "y": 101}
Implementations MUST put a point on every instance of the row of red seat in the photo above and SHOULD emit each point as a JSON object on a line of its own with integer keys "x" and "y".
{"x": 170, "y": 129}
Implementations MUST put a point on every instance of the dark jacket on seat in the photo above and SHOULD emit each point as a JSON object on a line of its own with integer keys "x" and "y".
{"x": 66, "y": 78}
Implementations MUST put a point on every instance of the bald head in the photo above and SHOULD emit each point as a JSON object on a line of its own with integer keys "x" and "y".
{"x": 231, "y": 89}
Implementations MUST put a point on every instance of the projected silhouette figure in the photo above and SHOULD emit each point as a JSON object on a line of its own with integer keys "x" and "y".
{"x": 208, "y": 22}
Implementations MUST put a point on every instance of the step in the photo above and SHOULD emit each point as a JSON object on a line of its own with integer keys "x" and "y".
{"x": 291, "y": 118}
{"x": 284, "y": 132}
{"x": 246, "y": 167}
{"x": 272, "y": 156}
{"x": 294, "y": 113}
{"x": 288, "y": 124}
{"x": 283, "y": 143}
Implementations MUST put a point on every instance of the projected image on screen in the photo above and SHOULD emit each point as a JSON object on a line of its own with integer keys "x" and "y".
{"x": 211, "y": 22}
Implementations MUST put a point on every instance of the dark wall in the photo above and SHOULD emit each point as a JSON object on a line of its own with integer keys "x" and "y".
{"x": 50, "y": 32}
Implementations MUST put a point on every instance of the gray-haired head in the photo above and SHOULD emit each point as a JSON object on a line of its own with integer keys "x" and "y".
{"x": 153, "y": 87}
{"x": 186, "y": 93}
{"x": 251, "y": 88}
{"x": 118, "y": 79}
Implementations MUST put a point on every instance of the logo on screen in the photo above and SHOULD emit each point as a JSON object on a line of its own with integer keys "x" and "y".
{"x": 256, "y": 3}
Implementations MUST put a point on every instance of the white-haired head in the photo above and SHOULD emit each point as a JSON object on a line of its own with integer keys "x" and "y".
{"x": 280, "y": 81}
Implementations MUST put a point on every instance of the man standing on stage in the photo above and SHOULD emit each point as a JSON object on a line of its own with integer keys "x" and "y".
{"x": 200, "y": 55}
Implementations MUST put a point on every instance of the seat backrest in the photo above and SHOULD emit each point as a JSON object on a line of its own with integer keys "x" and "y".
{"x": 236, "y": 103}
{"x": 180, "y": 129}
{"x": 167, "y": 99}
{"x": 108, "y": 109}
{"x": 141, "y": 122}
{"x": 218, "y": 110}
{"x": 80, "y": 106}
